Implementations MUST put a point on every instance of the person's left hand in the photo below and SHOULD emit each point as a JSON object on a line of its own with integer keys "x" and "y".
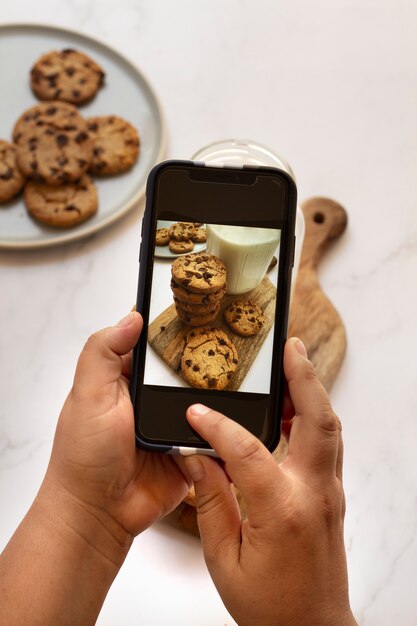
{"x": 94, "y": 458}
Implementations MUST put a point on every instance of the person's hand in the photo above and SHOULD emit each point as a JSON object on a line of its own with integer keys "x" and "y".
{"x": 94, "y": 459}
{"x": 285, "y": 564}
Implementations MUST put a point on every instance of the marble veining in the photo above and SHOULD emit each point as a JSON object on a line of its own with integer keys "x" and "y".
{"x": 332, "y": 87}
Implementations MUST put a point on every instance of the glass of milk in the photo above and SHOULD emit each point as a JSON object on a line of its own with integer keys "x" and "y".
{"x": 239, "y": 152}
{"x": 246, "y": 252}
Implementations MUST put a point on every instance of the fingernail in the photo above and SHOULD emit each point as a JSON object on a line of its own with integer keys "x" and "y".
{"x": 199, "y": 409}
{"x": 301, "y": 349}
{"x": 195, "y": 468}
{"x": 126, "y": 320}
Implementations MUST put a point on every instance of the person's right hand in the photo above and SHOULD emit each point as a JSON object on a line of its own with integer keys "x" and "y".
{"x": 285, "y": 564}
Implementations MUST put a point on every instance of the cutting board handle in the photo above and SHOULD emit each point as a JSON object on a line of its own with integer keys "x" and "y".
{"x": 325, "y": 221}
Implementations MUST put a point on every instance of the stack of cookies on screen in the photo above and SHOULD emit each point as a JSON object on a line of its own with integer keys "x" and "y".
{"x": 198, "y": 283}
{"x": 181, "y": 236}
{"x": 55, "y": 149}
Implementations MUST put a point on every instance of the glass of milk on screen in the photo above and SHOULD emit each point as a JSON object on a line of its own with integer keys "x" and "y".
{"x": 246, "y": 252}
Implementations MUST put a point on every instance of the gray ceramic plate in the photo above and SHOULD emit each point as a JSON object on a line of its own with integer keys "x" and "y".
{"x": 163, "y": 252}
{"x": 126, "y": 93}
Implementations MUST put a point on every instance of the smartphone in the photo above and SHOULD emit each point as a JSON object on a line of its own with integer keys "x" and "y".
{"x": 215, "y": 313}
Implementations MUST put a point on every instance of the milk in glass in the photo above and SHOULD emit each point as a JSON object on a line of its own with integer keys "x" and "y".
{"x": 246, "y": 252}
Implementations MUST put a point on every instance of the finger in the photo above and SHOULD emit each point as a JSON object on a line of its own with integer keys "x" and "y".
{"x": 218, "y": 513}
{"x": 314, "y": 439}
{"x": 127, "y": 365}
{"x": 100, "y": 361}
{"x": 247, "y": 461}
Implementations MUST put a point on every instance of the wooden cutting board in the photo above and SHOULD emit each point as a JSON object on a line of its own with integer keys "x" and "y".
{"x": 313, "y": 318}
{"x": 166, "y": 332}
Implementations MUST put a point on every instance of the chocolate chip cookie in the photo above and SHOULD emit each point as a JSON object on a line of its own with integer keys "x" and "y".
{"x": 162, "y": 237}
{"x": 199, "y": 235}
{"x": 116, "y": 144}
{"x": 11, "y": 180}
{"x": 244, "y": 317}
{"x": 53, "y": 144}
{"x": 64, "y": 206}
{"x": 180, "y": 247}
{"x": 196, "y": 298}
{"x": 197, "y": 320}
{"x": 197, "y": 309}
{"x": 199, "y": 273}
{"x": 209, "y": 359}
{"x": 67, "y": 75}
{"x": 181, "y": 231}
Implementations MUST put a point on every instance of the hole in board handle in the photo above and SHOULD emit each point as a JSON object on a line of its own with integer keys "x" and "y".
{"x": 319, "y": 217}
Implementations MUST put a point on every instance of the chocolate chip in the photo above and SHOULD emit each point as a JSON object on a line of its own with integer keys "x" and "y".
{"x": 211, "y": 352}
{"x": 70, "y": 71}
{"x": 192, "y": 334}
{"x": 81, "y": 162}
{"x": 238, "y": 310}
{"x": 131, "y": 142}
{"x": 163, "y": 328}
{"x": 97, "y": 151}
{"x": 72, "y": 207}
{"x": 82, "y": 81}
{"x": 49, "y": 131}
{"x": 76, "y": 93}
{"x": 18, "y": 136}
{"x": 235, "y": 361}
{"x": 93, "y": 126}
{"x": 222, "y": 342}
{"x": 229, "y": 376}
{"x": 252, "y": 319}
{"x": 196, "y": 368}
{"x": 34, "y": 165}
{"x": 69, "y": 127}
{"x": 250, "y": 310}
{"x": 36, "y": 115}
{"x": 81, "y": 137}
{"x": 62, "y": 160}
{"x": 188, "y": 363}
{"x": 68, "y": 51}
{"x": 39, "y": 123}
{"x": 212, "y": 382}
{"x": 51, "y": 111}
{"x": 198, "y": 275}
{"x": 27, "y": 118}
{"x": 207, "y": 276}
{"x": 61, "y": 140}
{"x": 110, "y": 120}
{"x": 101, "y": 77}
{"x": 53, "y": 171}
{"x": 63, "y": 178}
{"x": 226, "y": 356}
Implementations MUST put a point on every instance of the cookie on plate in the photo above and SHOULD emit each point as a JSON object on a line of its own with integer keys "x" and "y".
{"x": 180, "y": 247}
{"x": 181, "y": 231}
{"x": 67, "y": 75}
{"x": 64, "y": 206}
{"x": 116, "y": 144}
{"x": 244, "y": 317}
{"x": 53, "y": 144}
{"x": 209, "y": 358}
{"x": 196, "y": 298}
{"x": 199, "y": 273}
{"x": 162, "y": 237}
{"x": 11, "y": 180}
{"x": 199, "y": 235}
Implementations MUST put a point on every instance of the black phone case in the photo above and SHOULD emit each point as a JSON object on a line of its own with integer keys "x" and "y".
{"x": 285, "y": 286}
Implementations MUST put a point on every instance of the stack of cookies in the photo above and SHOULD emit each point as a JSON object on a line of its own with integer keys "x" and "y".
{"x": 198, "y": 283}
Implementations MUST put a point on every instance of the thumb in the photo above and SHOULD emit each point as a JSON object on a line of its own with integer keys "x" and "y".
{"x": 100, "y": 362}
{"x": 218, "y": 513}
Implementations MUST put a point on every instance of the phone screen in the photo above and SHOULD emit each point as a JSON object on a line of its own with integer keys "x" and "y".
{"x": 217, "y": 269}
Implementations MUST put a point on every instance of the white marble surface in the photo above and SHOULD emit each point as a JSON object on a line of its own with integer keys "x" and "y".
{"x": 332, "y": 86}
